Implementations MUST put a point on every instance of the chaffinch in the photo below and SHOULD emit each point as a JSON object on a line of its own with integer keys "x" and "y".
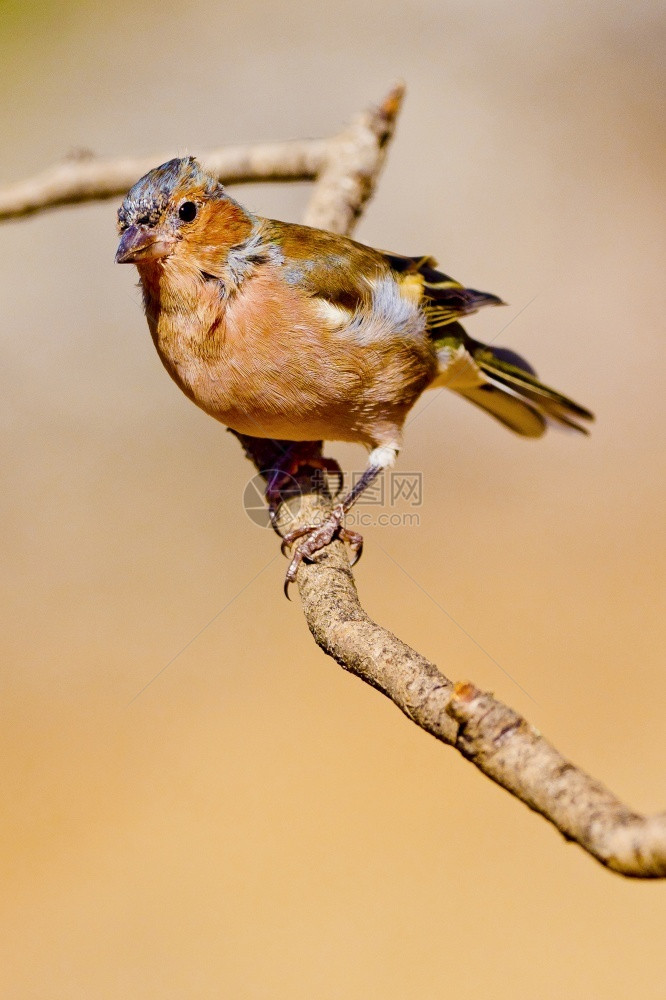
{"x": 283, "y": 331}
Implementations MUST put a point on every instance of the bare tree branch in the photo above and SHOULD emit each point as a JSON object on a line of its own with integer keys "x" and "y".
{"x": 84, "y": 178}
{"x": 353, "y": 162}
{"x": 501, "y": 744}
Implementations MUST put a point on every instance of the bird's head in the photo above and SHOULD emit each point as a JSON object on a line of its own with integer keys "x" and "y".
{"x": 178, "y": 210}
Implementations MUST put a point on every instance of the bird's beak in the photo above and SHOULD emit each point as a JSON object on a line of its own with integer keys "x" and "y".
{"x": 138, "y": 244}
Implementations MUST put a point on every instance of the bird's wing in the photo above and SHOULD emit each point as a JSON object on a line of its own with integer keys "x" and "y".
{"x": 343, "y": 274}
{"x": 323, "y": 265}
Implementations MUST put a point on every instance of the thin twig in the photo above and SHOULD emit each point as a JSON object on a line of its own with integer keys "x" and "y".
{"x": 84, "y": 178}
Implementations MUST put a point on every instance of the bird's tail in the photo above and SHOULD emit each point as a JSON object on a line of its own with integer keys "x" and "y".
{"x": 504, "y": 384}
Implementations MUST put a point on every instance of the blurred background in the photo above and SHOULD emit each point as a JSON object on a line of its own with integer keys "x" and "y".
{"x": 196, "y": 802}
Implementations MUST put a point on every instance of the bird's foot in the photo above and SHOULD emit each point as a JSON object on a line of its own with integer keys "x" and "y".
{"x": 316, "y": 537}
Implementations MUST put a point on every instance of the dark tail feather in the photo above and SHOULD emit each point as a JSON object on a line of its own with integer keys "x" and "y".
{"x": 524, "y": 384}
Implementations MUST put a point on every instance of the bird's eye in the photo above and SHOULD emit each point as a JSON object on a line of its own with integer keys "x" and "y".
{"x": 187, "y": 211}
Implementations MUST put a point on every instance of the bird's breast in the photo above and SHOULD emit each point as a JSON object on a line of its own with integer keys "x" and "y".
{"x": 266, "y": 361}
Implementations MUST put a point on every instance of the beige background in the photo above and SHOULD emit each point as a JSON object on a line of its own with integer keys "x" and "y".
{"x": 257, "y": 823}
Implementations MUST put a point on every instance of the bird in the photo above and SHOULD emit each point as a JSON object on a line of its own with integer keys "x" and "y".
{"x": 283, "y": 331}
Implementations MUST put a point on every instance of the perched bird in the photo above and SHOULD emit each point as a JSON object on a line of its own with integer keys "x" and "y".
{"x": 283, "y": 331}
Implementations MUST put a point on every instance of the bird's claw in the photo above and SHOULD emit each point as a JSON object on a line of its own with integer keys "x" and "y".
{"x": 317, "y": 537}
{"x": 283, "y": 479}
{"x": 284, "y": 545}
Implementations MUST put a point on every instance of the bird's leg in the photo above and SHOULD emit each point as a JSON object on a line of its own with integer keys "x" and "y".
{"x": 316, "y": 537}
